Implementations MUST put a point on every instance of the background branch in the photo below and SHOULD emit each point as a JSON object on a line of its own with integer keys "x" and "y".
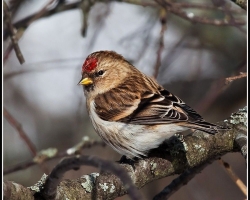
{"x": 9, "y": 26}
{"x": 174, "y": 7}
{"x": 21, "y": 132}
{"x": 169, "y": 6}
{"x": 234, "y": 177}
{"x": 43, "y": 157}
{"x": 163, "y": 19}
{"x": 241, "y": 3}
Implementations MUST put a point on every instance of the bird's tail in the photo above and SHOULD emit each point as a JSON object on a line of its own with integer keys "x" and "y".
{"x": 205, "y": 126}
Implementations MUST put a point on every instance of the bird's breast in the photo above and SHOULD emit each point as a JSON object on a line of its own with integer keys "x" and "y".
{"x": 130, "y": 139}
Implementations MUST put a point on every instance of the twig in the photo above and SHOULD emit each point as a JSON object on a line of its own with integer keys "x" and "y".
{"x": 85, "y": 7}
{"x": 180, "y": 181}
{"x": 21, "y": 132}
{"x": 181, "y": 5}
{"x": 12, "y": 34}
{"x": 233, "y": 78}
{"x": 20, "y": 31}
{"x": 14, "y": 5}
{"x": 40, "y": 13}
{"x": 234, "y": 177}
{"x": 60, "y": 7}
{"x": 163, "y": 16}
{"x": 42, "y": 158}
{"x": 50, "y": 187}
{"x": 196, "y": 19}
{"x": 18, "y": 167}
{"x": 215, "y": 90}
{"x": 141, "y": 2}
{"x": 9, "y": 49}
{"x": 227, "y": 12}
{"x": 205, "y": 7}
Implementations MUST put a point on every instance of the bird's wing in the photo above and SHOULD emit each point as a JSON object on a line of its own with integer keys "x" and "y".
{"x": 161, "y": 108}
{"x": 149, "y": 109}
{"x": 165, "y": 108}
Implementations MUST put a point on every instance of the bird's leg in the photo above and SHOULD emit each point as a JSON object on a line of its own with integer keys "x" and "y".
{"x": 125, "y": 160}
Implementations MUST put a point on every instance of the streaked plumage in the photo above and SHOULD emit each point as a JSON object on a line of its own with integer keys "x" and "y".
{"x": 131, "y": 111}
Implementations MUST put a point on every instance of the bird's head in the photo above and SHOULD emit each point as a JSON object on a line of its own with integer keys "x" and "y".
{"x": 102, "y": 71}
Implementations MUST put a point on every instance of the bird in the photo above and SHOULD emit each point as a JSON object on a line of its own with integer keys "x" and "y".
{"x": 129, "y": 110}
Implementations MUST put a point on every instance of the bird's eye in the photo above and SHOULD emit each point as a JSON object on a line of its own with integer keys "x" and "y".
{"x": 100, "y": 73}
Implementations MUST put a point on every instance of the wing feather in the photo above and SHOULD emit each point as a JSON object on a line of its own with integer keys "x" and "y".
{"x": 148, "y": 107}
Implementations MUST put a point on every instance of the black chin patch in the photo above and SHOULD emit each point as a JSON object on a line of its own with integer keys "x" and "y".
{"x": 89, "y": 88}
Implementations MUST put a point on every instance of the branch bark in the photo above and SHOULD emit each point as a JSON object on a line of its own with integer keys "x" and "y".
{"x": 173, "y": 157}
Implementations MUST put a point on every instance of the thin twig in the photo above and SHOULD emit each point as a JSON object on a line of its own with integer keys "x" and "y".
{"x": 196, "y": 19}
{"x": 9, "y": 49}
{"x": 13, "y": 38}
{"x": 50, "y": 187}
{"x": 40, "y": 13}
{"x": 85, "y": 7}
{"x": 233, "y": 176}
{"x": 227, "y": 12}
{"x": 233, "y": 78}
{"x": 21, "y": 132}
{"x": 42, "y": 158}
{"x": 217, "y": 87}
{"x": 180, "y": 181}
{"x": 44, "y": 12}
{"x": 205, "y": 7}
{"x": 163, "y": 16}
{"x": 14, "y": 5}
{"x": 20, "y": 31}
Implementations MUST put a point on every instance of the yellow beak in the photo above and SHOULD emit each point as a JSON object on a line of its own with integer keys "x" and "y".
{"x": 85, "y": 81}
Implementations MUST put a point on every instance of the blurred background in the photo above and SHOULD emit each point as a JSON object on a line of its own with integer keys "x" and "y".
{"x": 193, "y": 59}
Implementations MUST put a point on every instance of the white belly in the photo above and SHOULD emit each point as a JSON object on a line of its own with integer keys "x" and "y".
{"x": 130, "y": 139}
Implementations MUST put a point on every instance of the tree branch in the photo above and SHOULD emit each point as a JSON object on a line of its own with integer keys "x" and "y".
{"x": 173, "y": 157}
{"x": 241, "y": 3}
{"x": 180, "y": 181}
{"x": 11, "y": 30}
{"x": 169, "y": 6}
{"x": 52, "y": 181}
{"x": 20, "y": 131}
{"x": 163, "y": 19}
{"x": 174, "y": 7}
{"x": 233, "y": 78}
{"x": 234, "y": 177}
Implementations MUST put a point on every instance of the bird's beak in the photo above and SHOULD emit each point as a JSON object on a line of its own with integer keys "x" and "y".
{"x": 85, "y": 81}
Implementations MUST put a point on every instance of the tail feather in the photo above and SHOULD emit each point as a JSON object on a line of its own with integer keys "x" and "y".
{"x": 205, "y": 126}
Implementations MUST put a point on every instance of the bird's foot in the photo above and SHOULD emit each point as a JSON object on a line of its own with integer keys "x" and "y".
{"x": 180, "y": 137}
{"x": 125, "y": 160}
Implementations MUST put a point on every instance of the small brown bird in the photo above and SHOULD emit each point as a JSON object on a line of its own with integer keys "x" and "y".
{"x": 129, "y": 110}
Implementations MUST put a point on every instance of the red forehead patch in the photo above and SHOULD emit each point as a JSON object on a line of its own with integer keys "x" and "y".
{"x": 89, "y": 64}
